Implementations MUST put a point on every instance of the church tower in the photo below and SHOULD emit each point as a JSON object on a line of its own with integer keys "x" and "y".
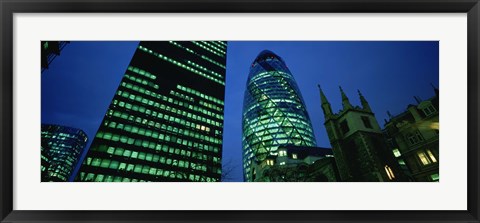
{"x": 357, "y": 142}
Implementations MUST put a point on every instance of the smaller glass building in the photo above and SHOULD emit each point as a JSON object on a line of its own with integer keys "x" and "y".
{"x": 61, "y": 148}
{"x": 274, "y": 113}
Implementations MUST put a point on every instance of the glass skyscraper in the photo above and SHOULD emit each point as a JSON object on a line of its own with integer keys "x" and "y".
{"x": 60, "y": 149}
{"x": 165, "y": 121}
{"x": 274, "y": 112}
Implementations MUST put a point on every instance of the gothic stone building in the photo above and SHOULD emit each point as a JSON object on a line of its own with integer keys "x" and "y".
{"x": 358, "y": 145}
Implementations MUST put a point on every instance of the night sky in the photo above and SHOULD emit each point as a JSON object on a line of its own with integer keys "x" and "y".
{"x": 79, "y": 85}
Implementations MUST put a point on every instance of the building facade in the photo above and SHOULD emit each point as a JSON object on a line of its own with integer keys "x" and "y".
{"x": 297, "y": 164}
{"x": 165, "y": 122}
{"x": 358, "y": 145}
{"x": 274, "y": 113}
{"x": 413, "y": 137}
{"x": 61, "y": 148}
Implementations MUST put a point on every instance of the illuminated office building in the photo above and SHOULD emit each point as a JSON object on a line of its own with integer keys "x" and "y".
{"x": 60, "y": 150}
{"x": 165, "y": 121}
{"x": 274, "y": 113}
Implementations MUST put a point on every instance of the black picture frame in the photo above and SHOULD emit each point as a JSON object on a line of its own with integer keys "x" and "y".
{"x": 9, "y": 7}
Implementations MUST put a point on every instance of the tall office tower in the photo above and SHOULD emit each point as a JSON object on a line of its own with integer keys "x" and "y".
{"x": 61, "y": 148}
{"x": 165, "y": 121}
{"x": 274, "y": 113}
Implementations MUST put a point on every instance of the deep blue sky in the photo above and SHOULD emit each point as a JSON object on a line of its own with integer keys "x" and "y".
{"x": 78, "y": 87}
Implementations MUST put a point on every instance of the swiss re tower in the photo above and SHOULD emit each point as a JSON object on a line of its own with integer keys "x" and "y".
{"x": 274, "y": 113}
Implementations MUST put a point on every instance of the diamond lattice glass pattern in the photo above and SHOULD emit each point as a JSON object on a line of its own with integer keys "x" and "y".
{"x": 274, "y": 112}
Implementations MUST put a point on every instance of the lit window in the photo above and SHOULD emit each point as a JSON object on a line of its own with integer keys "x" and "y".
{"x": 389, "y": 171}
{"x": 421, "y": 155}
{"x": 434, "y": 177}
{"x": 432, "y": 157}
{"x": 294, "y": 156}
{"x": 282, "y": 153}
{"x": 396, "y": 153}
{"x": 270, "y": 162}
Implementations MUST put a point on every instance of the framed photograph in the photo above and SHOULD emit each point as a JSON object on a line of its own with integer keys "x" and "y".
{"x": 200, "y": 111}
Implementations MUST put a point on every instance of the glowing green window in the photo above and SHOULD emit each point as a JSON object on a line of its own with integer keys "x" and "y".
{"x": 99, "y": 134}
{"x": 99, "y": 178}
{"x": 110, "y": 150}
{"x": 151, "y": 145}
{"x": 130, "y": 167}
{"x": 115, "y": 138}
{"x": 148, "y": 157}
{"x": 138, "y": 168}
{"x": 122, "y": 166}
{"x": 112, "y": 124}
{"x": 119, "y": 151}
{"x": 105, "y": 163}
{"x": 141, "y": 155}
{"x": 148, "y": 132}
{"x": 145, "y": 169}
{"x": 96, "y": 162}
{"x": 138, "y": 142}
{"x": 123, "y": 139}
{"x": 152, "y": 171}
{"x": 119, "y": 126}
{"x": 89, "y": 160}
{"x": 114, "y": 164}
{"x": 107, "y": 135}
{"x": 159, "y": 172}
{"x": 127, "y": 153}
{"x": 145, "y": 143}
